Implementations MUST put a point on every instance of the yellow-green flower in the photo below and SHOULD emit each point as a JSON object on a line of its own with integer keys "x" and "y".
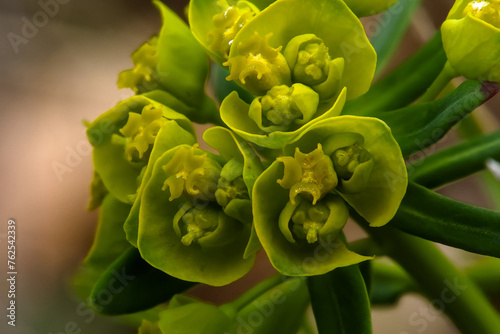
{"x": 195, "y": 217}
{"x": 324, "y": 44}
{"x": 215, "y": 23}
{"x": 300, "y": 200}
{"x": 257, "y": 66}
{"x": 471, "y": 39}
{"x": 123, "y": 139}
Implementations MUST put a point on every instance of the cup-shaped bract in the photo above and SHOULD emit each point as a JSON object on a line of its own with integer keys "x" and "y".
{"x": 191, "y": 237}
{"x": 123, "y": 139}
{"x": 292, "y": 109}
{"x": 471, "y": 39}
{"x": 371, "y": 171}
{"x": 299, "y": 202}
{"x": 300, "y": 239}
{"x": 169, "y": 136}
{"x": 322, "y": 38}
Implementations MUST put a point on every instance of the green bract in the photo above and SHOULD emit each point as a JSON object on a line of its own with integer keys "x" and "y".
{"x": 369, "y": 7}
{"x": 190, "y": 238}
{"x": 367, "y": 159}
{"x": 289, "y": 243}
{"x": 194, "y": 216}
{"x": 109, "y": 244}
{"x": 299, "y": 207}
{"x": 471, "y": 36}
{"x": 274, "y": 119}
{"x": 123, "y": 138}
{"x": 175, "y": 63}
{"x": 170, "y": 136}
{"x": 329, "y": 45}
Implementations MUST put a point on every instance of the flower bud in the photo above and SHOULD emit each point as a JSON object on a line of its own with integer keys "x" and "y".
{"x": 487, "y": 11}
{"x": 231, "y": 185}
{"x": 311, "y": 64}
{"x": 470, "y": 39}
{"x": 206, "y": 226}
{"x": 284, "y": 108}
{"x": 305, "y": 222}
{"x": 351, "y": 161}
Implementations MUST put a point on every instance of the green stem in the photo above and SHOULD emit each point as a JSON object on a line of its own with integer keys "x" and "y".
{"x": 446, "y": 75}
{"x": 447, "y": 287}
{"x": 250, "y": 295}
{"x": 472, "y": 127}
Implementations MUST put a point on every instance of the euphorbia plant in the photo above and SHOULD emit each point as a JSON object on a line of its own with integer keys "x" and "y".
{"x": 304, "y": 140}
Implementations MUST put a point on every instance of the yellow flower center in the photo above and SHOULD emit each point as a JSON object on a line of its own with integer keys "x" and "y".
{"x": 309, "y": 174}
{"x": 488, "y": 11}
{"x": 227, "y": 24}
{"x": 141, "y": 130}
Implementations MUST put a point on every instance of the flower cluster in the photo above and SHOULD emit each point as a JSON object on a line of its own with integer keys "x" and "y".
{"x": 300, "y": 143}
{"x": 196, "y": 215}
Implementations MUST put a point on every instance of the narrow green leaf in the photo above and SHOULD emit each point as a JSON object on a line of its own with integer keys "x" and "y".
{"x": 182, "y": 62}
{"x": 438, "y": 278}
{"x": 486, "y": 274}
{"x": 131, "y": 285}
{"x": 190, "y": 316}
{"x": 412, "y": 77}
{"x": 387, "y": 40}
{"x": 282, "y": 307}
{"x": 365, "y": 268}
{"x": 390, "y": 281}
{"x": 431, "y": 216}
{"x": 420, "y": 126}
{"x": 455, "y": 162}
{"x": 340, "y": 301}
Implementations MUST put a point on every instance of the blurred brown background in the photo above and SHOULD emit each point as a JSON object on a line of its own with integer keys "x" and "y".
{"x": 63, "y": 73}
